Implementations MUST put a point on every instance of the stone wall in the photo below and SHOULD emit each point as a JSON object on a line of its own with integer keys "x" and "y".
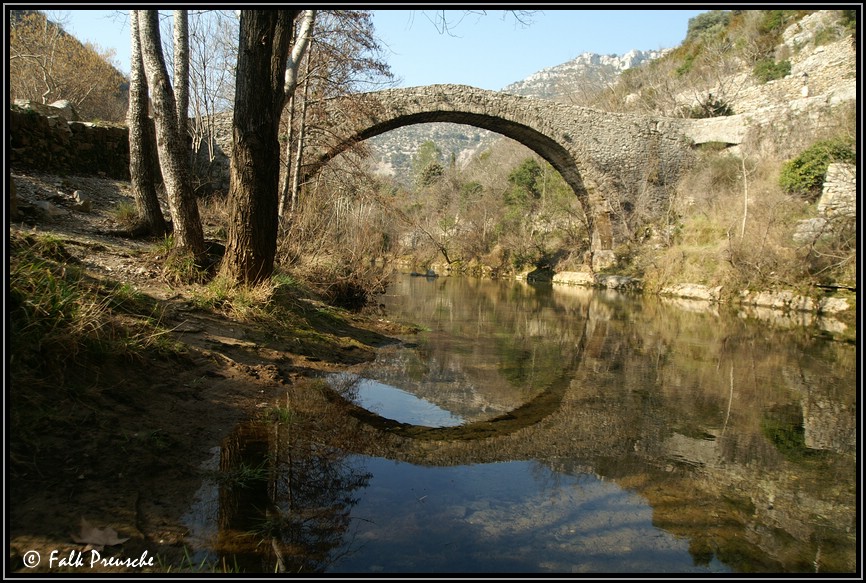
{"x": 52, "y": 144}
{"x": 837, "y": 207}
{"x": 839, "y": 198}
{"x": 216, "y": 166}
{"x": 781, "y": 117}
{"x": 824, "y": 70}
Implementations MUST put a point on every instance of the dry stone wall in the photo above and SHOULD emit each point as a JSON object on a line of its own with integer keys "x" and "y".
{"x": 837, "y": 207}
{"x": 839, "y": 198}
{"x": 53, "y": 144}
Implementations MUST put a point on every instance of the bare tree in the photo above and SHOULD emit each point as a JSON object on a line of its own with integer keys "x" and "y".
{"x": 188, "y": 233}
{"x": 47, "y": 64}
{"x": 345, "y": 58}
{"x": 289, "y": 190}
{"x": 142, "y": 156}
{"x": 181, "y": 70}
{"x": 446, "y": 24}
{"x": 213, "y": 56}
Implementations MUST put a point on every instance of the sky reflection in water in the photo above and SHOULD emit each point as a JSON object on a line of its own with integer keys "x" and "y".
{"x": 509, "y": 517}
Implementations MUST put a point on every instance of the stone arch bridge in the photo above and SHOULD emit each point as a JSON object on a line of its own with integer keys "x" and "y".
{"x": 616, "y": 164}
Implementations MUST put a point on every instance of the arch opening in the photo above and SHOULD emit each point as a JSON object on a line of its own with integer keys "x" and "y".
{"x": 551, "y": 151}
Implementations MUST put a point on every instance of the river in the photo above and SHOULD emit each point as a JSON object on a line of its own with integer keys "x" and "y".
{"x": 558, "y": 429}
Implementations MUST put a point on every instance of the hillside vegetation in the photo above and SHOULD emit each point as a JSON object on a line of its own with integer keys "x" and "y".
{"x": 126, "y": 370}
{"x": 735, "y": 214}
{"x": 731, "y": 220}
{"x": 47, "y": 64}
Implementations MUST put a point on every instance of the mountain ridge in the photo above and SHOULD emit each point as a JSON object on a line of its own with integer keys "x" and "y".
{"x": 596, "y": 68}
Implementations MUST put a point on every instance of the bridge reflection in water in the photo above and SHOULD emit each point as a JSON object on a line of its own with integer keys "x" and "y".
{"x": 605, "y": 433}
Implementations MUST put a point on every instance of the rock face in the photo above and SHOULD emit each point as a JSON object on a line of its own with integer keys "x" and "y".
{"x": 839, "y": 198}
{"x": 588, "y": 279}
{"x": 66, "y": 109}
{"x": 585, "y": 278}
{"x": 61, "y": 107}
{"x": 785, "y": 300}
{"x": 561, "y": 81}
{"x": 693, "y": 291}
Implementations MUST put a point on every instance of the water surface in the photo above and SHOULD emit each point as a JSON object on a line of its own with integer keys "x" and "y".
{"x": 576, "y": 431}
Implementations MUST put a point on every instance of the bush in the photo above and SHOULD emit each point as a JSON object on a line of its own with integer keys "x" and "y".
{"x": 708, "y": 24}
{"x": 711, "y": 107}
{"x": 431, "y": 174}
{"x": 770, "y": 70}
{"x": 775, "y": 21}
{"x": 804, "y": 175}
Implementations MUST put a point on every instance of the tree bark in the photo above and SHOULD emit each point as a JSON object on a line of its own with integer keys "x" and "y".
{"x": 142, "y": 151}
{"x": 265, "y": 38}
{"x": 172, "y": 151}
{"x": 745, "y": 197}
{"x": 305, "y": 35}
{"x": 181, "y": 70}
{"x": 299, "y": 154}
{"x": 285, "y": 203}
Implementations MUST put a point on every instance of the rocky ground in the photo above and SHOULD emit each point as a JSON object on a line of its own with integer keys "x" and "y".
{"x": 119, "y": 449}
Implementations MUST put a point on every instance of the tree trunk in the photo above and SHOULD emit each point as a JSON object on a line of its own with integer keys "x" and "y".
{"x": 142, "y": 151}
{"x": 172, "y": 151}
{"x": 181, "y": 70}
{"x": 299, "y": 154}
{"x": 288, "y": 190}
{"x": 265, "y": 38}
{"x": 305, "y": 35}
{"x": 285, "y": 204}
{"x": 745, "y": 197}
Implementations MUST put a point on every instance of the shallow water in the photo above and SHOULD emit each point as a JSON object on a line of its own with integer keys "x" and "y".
{"x": 514, "y": 517}
{"x": 601, "y": 433}
{"x": 393, "y": 403}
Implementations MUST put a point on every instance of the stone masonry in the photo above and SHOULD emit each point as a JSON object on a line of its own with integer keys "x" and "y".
{"x": 609, "y": 160}
{"x": 52, "y": 143}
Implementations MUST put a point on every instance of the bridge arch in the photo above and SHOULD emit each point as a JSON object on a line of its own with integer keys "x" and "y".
{"x": 543, "y": 145}
{"x": 602, "y": 156}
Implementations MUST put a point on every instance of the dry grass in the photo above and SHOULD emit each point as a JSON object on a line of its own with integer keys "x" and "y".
{"x": 57, "y": 310}
{"x": 736, "y": 230}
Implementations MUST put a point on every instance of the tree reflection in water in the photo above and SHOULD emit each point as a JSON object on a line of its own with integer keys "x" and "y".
{"x": 741, "y": 438}
{"x": 285, "y": 498}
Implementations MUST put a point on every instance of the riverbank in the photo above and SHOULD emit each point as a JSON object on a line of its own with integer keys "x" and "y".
{"x": 123, "y": 384}
{"x": 830, "y": 309}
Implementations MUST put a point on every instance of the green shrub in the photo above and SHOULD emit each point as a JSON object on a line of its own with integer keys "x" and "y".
{"x": 849, "y": 20}
{"x": 688, "y": 63}
{"x": 775, "y": 21}
{"x": 431, "y": 174}
{"x": 711, "y": 107}
{"x": 770, "y": 70}
{"x": 125, "y": 213}
{"x": 708, "y": 24}
{"x": 804, "y": 175}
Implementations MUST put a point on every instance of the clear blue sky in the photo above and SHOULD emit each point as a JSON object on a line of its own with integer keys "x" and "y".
{"x": 488, "y": 51}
